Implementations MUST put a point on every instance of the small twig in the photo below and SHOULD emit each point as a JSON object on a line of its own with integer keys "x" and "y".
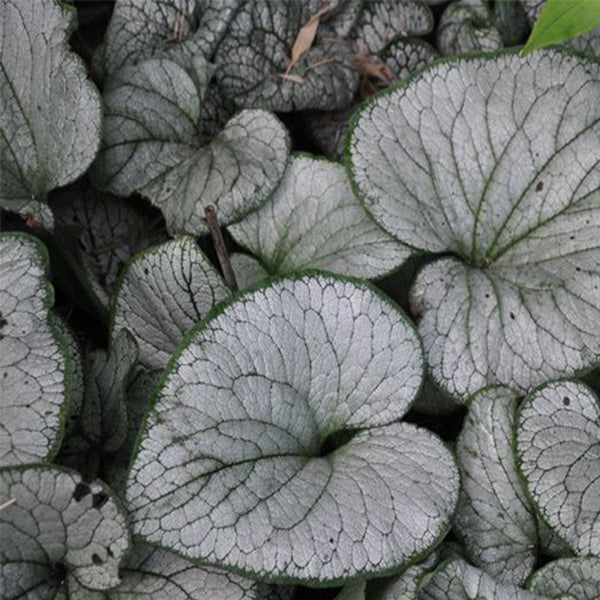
{"x": 7, "y": 503}
{"x": 210, "y": 215}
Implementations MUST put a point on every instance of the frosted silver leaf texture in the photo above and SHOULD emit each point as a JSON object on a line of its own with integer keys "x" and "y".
{"x": 57, "y": 523}
{"x": 405, "y": 55}
{"x": 383, "y": 20}
{"x": 247, "y": 269}
{"x": 457, "y": 580}
{"x": 568, "y": 579}
{"x": 33, "y": 384}
{"x": 162, "y": 294}
{"x": 270, "y": 449}
{"x": 110, "y": 230}
{"x": 558, "y": 445}
{"x": 154, "y": 573}
{"x": 141, "y": 29}
{"x": 99, "y": 426}
{"x": 51, "y": 115}
{"x": 494, "y": 517}
{"x": 253, "y": 55}
{"x": 327, "y": 129}
{"x": 517, "y": 205}
{"x": 152, "y": 145}
{"x": 401, "y": 587}
{"x": 467, "y": 27}
{"x": 313, "y": 220}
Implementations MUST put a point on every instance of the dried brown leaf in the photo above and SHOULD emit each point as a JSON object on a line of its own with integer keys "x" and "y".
{"x": 374, "y": 74}
{"x": 305, "y": 38}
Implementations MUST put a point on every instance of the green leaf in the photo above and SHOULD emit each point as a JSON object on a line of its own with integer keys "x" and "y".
{"x": 51, "y": 113}
{"x": 34, "y": 384}
{"x": 561, "y": 20}
{"x": 313, "y": 220}
{"x": 162, "y": 294}
{"x": 461, "y": 162}
{"x": 568, "y": 579}
{"x": 558, "y": 448}
{"x": 273, "y": 447}
{"x": 166, "y": 158}
{"x": 57, "y": 530}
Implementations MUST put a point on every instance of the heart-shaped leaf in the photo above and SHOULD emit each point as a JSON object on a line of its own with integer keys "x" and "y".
{"x": 568, "y": 579}
{"x": 457, "y": 580}
{"x": 254, "y": 55}
{"x": 162, "y": 294}
{"x": 51, "y": 115}
{"x": 152, "y": 145}
{"x": 270, "y": 449}
{"x": 33, "y": 355}
{"x": 558, "y": 445}
{"x": 494, "y": 517}
{"x": 313, "y": 220}
{"x": 57, "y": 528}
{"x": 518, "y": 207}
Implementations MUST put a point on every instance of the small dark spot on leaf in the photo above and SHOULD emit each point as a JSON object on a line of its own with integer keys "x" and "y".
{"x": 81, "y": 491}
{"x": 60, "y": 571}
{"x": 487, "y": 295}
{"x": 109, "y": 552}
{"x": 540, "y": 186}
{"x": 39, "y": 107}
{"x": 48, "y": 413}
{"x": 5, "y": 374}
{"x": 96, "y": 559}
{"x": 512, "y": 316}
{"x": 99, "y": 500}
{"x": 3, "y": 321}
{"x": 331, "y": 540}
{"x": 566, "y": 401}
{"x": 571, "y": 237}
{"x": 578, "y": 269}
{"x": 145, "y": 271}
